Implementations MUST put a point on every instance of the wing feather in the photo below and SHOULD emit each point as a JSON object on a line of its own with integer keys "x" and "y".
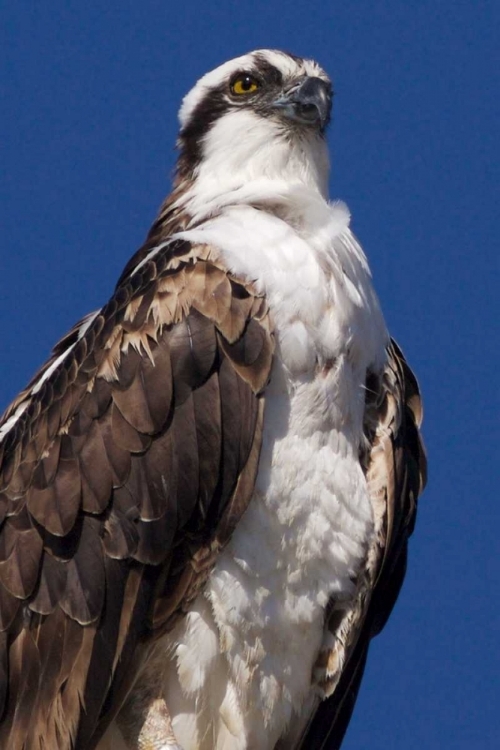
{"x": 124, "y": 466}
{"x": 395, "y": 466}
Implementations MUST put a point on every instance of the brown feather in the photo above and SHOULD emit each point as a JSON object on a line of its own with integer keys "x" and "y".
{"x": 45, "y": 472}
{"x": 72, "y": 692}
{"x": 157, "y": 381}
{"x": 213, "y": 292}
{"x": 49, "y": 640}
{"x": 185, "y": 448}
{"x": 95, "y": 471}
{"x": 125, "y": 435}
{"x": 133, "y": 404}
{"x": 245, "y": 483}
{"x": 4, "y": 672}
{"x": 24, "y": 677}
{"x": 233, "y": 323}
{"x": 231, "y": 429}
{"x": 9, "y": 607}
{"x": 51, "y": 585}
{"x": 159, "y": 485}
{"x": 20, "y": 552}
{"x": 119, "y": 458}
{"x": 97, "y": 400}
{"x": 83, "y": 598}
{"x": 251, "y": 355}
{"x": 207, "y": 416}
{"x": 193, "y": 347}
{"x": 100, "y": 671}
{"x": 55, "y": 511}
{"x": 127, "y": 471}
{"x": 121, "y": 536}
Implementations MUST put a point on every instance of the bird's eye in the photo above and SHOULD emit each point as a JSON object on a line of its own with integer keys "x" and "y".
{"x": 244, "y": 84}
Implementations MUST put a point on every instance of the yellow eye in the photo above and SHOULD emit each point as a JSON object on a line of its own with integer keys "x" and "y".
{"x": 244, "y": 84}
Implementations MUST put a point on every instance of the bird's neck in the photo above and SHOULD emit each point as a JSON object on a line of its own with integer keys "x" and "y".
{"x": 283, "y": 177}
{"x": 248, "y": 168}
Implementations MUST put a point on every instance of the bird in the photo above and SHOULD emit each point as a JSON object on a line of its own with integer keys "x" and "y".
{"x": 206, "y": 493}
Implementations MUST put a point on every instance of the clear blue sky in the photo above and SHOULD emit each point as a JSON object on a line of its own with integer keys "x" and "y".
{"x": 89, "y": 96}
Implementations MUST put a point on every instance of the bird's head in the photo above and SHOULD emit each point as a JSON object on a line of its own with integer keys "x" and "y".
{"x": 258, "y": 117}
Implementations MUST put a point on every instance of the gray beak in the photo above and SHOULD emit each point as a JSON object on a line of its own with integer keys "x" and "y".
{"x": 309, "y": 102}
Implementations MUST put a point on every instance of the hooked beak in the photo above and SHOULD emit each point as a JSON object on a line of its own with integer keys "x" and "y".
{"x": 309, "y": 102}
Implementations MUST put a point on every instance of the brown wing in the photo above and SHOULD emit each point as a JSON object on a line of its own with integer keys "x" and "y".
{"x": 124, "y": 467}
{"x": 395, "y": 465}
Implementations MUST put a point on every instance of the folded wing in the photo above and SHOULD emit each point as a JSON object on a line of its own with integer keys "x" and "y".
{"x": 124, "y": 467}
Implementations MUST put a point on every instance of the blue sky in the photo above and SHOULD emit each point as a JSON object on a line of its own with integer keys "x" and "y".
{"x": 89, "y": 95}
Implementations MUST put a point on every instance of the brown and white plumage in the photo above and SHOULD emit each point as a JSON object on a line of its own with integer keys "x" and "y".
{"x": 117, "y": 487}
{"x": 395, "y": 466}
{"x": 129, "y": 461}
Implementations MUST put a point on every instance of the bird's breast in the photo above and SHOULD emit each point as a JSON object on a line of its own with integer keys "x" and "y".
{"x": 247, "y": 649}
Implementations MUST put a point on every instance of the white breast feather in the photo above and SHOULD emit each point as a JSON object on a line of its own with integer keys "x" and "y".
{"x": 244, "y": 655}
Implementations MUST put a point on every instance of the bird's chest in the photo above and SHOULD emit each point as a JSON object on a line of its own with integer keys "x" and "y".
{"x": 250, "y": 643}
{"x": 302, "y": 540}
{"x": 248, "y": 647}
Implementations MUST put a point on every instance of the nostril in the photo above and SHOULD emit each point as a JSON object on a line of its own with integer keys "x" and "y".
{"x": 308, "y": 110}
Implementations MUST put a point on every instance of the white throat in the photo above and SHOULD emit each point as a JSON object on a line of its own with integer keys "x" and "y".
{"x": 250, "y": 159}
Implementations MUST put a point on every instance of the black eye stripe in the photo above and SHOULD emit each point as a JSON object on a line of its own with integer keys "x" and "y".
{"x": 267, "y": 72}
{"x": 214, "y": 105}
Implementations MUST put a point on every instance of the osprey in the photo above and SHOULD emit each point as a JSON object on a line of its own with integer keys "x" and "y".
{"x": 206, "y": 493}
